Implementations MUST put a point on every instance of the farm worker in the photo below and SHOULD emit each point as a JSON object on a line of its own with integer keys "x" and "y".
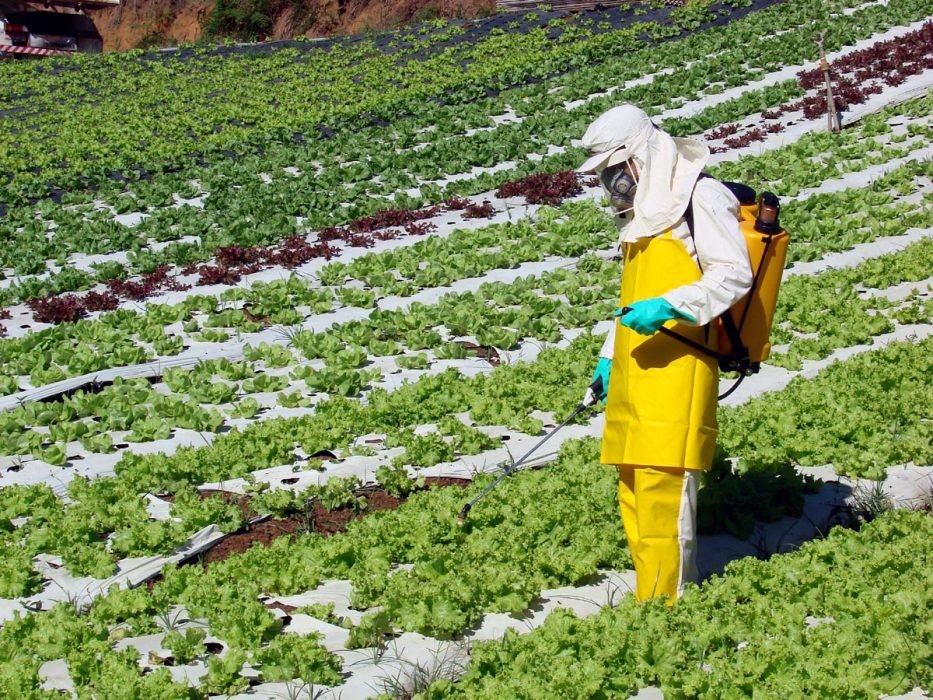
{"x": 661, "y": 427}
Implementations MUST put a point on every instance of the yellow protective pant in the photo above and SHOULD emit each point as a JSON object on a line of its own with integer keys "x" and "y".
{"x": 658, "y": 506}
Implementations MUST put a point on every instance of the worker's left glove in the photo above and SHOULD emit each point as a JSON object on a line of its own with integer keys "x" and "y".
{"x": 603, "y": 368}
{"x": 599, "y": 388}
{"x": 647, "y": 316}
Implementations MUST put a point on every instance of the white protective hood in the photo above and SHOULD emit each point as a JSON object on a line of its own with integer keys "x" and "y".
{"x": 668, "y": 167}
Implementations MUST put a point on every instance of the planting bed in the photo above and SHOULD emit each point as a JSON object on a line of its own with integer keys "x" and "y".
{"x": 316, "y": 518}
{"x": 260, "y": 351}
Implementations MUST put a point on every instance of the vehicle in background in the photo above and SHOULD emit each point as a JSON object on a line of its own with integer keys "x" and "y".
{"x": 49, "y": 28}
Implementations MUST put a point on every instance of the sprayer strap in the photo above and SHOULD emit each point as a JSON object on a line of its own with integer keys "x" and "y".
{"x": 739, "y": 351}
{"x": 688, "y": 216}
{"x": 699, "y": 347}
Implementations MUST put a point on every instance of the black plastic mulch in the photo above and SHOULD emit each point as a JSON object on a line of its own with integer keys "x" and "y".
{"x": 397, "y": 41}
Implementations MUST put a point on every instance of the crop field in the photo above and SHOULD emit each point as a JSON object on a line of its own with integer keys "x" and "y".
{"x": 271, "y": 314}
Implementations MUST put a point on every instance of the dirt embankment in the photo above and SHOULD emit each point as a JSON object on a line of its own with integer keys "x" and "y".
{"x": 154, "y": 23}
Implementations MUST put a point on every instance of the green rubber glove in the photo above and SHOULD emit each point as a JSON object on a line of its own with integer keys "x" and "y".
{"x": 603, "y": 367}
{"x": 645, "y": 317}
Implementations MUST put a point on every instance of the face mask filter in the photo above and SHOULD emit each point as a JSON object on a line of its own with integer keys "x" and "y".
{"x": 621, "y": 187}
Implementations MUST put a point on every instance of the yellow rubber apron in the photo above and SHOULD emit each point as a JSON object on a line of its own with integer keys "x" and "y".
{"x": 661, "y": 408}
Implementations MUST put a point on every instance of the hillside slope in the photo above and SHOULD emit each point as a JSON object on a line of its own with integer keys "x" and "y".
{"x": 153, "y": 23}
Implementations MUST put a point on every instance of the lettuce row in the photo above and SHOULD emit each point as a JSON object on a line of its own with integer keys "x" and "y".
{"x": 240, "y": 115}
{"x": 52, "y": 354}
{"x": 861, "y": 415}
{"x": 820, "y": 224}
{"x": 844, "y": 616}
{"x": 817, "y": 314}
{"x": 441, "y": 595}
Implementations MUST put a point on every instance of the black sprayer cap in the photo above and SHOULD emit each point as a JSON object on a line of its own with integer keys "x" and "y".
{"x": 742, "y": 192}
{"x": 769, "y": 207}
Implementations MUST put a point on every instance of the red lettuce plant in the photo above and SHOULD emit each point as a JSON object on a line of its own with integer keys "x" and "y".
{"x": 65, "y": 308}
{"x": 543, "y": 188}
{"x": 391, "y": 217}
{"x": 456, "y": 203}
{"x": 156, "y": 281}
{"x": 218, "y": 274}
{"x": 100, "y": 301}
{"x": 419, "y": 228}
{"x": 233, "y": 255}
{"x": 723, "y": 131}
{"x": 479, "y": 211}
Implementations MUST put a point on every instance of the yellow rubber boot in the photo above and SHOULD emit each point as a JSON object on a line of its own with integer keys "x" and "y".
{"x": 658, "y": 506}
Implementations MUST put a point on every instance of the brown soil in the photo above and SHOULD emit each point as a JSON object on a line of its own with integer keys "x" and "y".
{"x": 155, "y": 23}
{"x": 150, "y": 22}
{"x": 287, "y": 609}
{"x": 483, "y": 352}
{"x": 320, "y": 520}
{"x": 445, "y": 481}
{"x": 250, "y": 316}
{"x": 264, "y": 533}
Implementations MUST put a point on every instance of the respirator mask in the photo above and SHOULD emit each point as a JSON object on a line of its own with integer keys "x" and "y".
{"x": 621, "y": 187}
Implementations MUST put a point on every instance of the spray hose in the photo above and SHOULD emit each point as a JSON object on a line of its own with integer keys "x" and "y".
{"x": 726, "y": 363}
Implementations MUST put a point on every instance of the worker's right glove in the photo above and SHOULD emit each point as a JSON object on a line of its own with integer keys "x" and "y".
{"x": 645, "y": 317}
{"x": 603, "y": 367}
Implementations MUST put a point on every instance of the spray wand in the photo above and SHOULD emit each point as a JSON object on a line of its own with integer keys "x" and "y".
{"x": 592, "y": 396}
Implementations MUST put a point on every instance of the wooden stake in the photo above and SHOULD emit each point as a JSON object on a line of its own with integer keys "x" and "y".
{"x": 832, "y": 117}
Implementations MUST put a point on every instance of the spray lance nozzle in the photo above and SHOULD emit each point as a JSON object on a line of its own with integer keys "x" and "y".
{"x": 462, "y": 516}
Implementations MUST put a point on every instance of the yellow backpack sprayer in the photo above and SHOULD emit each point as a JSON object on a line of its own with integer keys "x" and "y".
{"x": 744, "y": 331}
